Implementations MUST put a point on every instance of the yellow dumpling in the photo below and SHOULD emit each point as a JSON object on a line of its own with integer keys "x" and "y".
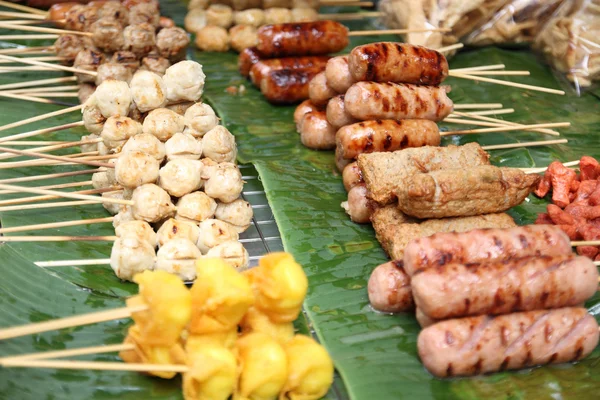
{"x": 310, "y": 370}
{"x": 263, "y": 367}
{"x": 148, "y": 354}
{"x": 220, "y": 339}
{"x": 280, "y": 285}
{"x": 169, "y": 307}
{"x": 212, "y": 374}
{"x": 220, "y": 297}
{"x": 255, "y": 321}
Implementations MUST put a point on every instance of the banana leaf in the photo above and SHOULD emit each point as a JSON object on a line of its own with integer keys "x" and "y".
{"x": 375, "y": 354}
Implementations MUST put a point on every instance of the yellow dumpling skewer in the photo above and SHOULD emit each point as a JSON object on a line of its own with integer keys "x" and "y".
{"x": 256, "y": 321}
{"x": 221, "y": 339}
{"x": 212, "y": 374}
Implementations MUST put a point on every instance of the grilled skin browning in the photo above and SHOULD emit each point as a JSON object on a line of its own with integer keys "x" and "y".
{"x": 302, "y": 39}
{"x": 423, "y": 320}
{"x": 371, "y": 100}
{"x": 336, "y": 112}
{"x": 483, "y": 245}
{"x": 385, "y": 173}
{"x": 319, "y": 91}
{"x": 464, "y": 192}
{"x": 287, "y": 86}
{"x": 263, "y": 67}
{"x": 303, "y": 108}
{"x": 397, "y": 62}
{"x": 247, "y": 59}
{"x": 389, "y": 288}
{"x": 338, "y": 74}
{"x": 478, "y": 345}
{"x": 386, "y": 135}
{"x": 351, "y": 176}
{"x": 315, "y": 132}
{"x": 502, "y": 287}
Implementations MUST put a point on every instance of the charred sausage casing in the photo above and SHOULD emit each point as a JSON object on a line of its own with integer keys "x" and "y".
{"x": 247, "y": 59}
{"x": 386, "y": 135}
{"x": 263, "y": 67}
{"x": 485, "y": 245}
{"x": 397, "y": 62}
{"x": 338, "y": 74}
{"x": 464, "y": 192}
{"x": 336, "y": 112}
{"x": 371, "y": 100}
{"x": 287, "y": 86}
{"x": 506, "y": 342}
{"x": 302, "y": 39}
{"x": 502, "y": 287}
{"x": 319, "y": 91}
{"x": 315, "y": 132}
{"x": 389, "y": 288}
{"x": 303, "y": 108}
{"x": 351, "y": 176}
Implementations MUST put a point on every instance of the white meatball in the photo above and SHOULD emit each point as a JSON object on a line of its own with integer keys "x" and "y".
{"x": 118, "y": 130}
{"x": 141, "y": 229}
{"x": 113, "y": 98}
{"x": 219, "y": 145}
{"x": 103, "y": 150}
{"x": 225, "y": 184}
{"x": 114, "y": 71}
{"x": 136, "y": 168}
{"x": 185, "y": 81}
{"x": 219, "y": 15}
{"x": 131, "y": 255}
{"x": 89, "y": 146}
{"x": 199, "y": 119}
{"x": 177, "y": 229}
{"x": 304, "y": 15}
{"x": 237, "y": 213}
{"x": 152, "y": 203}
{"x": 195, "y": 207}
{"x": 183, "y": 145}
{"x": 163, "y": 123}
{"x": 242, "y": 37}
{"x": 93, "y": 120}
{"x": 202, "y": 4}
{"x": 146, "y": 143}
{"x": 214, "y": 232}
{"x": 254, "y": 17}
{"x": 114, "y": 208}
{"x": 178, "y": 256}
{"x": 195, "y": 20}
{"x": 148, "y": 90}
{"x": 100, "y": 180}
{"x": 180, "y": 108}
{"x": 212, "y": 38}
{"x": 233, "y": 252}
{"x": 140, "y": 39}
{"x": 278, "y": 15}
{"x": 123, "y": 216}
{"x": 181, "y": 176}
{"x": 209, "y": 169}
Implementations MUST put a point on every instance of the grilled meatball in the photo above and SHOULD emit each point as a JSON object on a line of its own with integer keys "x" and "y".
{"x": 254, "y": 17}
{"x": 114, "y": 10}
{"x": 155, "y": 63}
{"x": 243, "y": 36}
{"x": 212, "y": 38}
{"x": 148, "y": 90}
{"x": 126, "y": 58}
{"x": 304, "y": 15}
{"x": 68, "y": 46}
{"x": 172, "y": 43}
{"x": 88, "y": 60}
{"x": 113, "y": 71}
{"x": 107, "y": 34}
{"x": 195, "y": 20}
{"x": 219, "y": 15}
{"x": 145, "y": 12}
{"x": 80, "y": 18}
{"x": 85, "y": 91}
{"x": 185, "y": 81}
{"x": 139, "y": 39}
{"x": 278, "y": 15}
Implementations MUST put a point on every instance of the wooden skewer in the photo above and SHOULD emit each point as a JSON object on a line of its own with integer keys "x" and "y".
{"x": 26, "y": 98}
{"x": 43, "y": 64}
{"x": 57, "y": 158}
{"x": 53, "y": 225}
{"x": 350, "y": 16}
{"x": 40, "y": 131}
{"x": 480, "y": 68}
{"x": 45, "y": 89}
{"x": 67, "y": 195}
{"x": 508, "y": 73}
{"x": 505, "y": 83}
{"x": 7, "y": 239}
{"x": 27, "y": 37}
{"x": 54, "y": 147}
{"x": 27, "y": 143}
{"x": 43, "y": 29}
{"x": 450, "y": 48}
{"x": 524, "y": 144}
{"x": 39, "y": 82}
{"x": 507, "y": 128}
{"x": 29, "y": 10}
{"x": 36, "y": 199}
{"x": 543, "y": 169}
{"x": 96, "y": 365}
{"x": 390, "y": 32}
{"x": 347, "y": 3}
{"x": 21, "y": 15}
{"x": 82, "y": 351}
{"x": 42, "y": 58}
{"x": 27, "y": 50}
{"x": 24, "y": 21}
{"x": 463, "y": 121}
{"x": 501, "y": 121}
{"x": 477, "y": 105}
{"x": 487, "y": 112}
{"x": 69, "y": 322}
{"x": 56, "y": 186}
{"x": 44, "y": 95}
{"x": 23, "y": 69}
{"x": 39, "y": 118}
{"x": 51, "y": 176}
{"x": 73, "y": 159}
{"x": 49, "y": 205}
{"x": 72, "y": 263}
{"x": 585, "y": 243}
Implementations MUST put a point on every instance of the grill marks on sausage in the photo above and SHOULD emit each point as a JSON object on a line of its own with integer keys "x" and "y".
{"x": 304, "y": 38}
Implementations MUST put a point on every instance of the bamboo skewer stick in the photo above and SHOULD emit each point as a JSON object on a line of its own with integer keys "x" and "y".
{"x": 24, "y": 21}
{"x": 26, "y": 98}
{"x": 51, "y": 176}
{"x": 450, "y": 48}
{"x": 67, "y": 195}
{"x": 36, "y": 199}
{"x": 543, "y": 169}
{"x": 501, "y": 121}
{"x": 524, "y": 144}
{"x": 69, "y": 322}
{"x": 476, "y": 106}
{"x": 44, "y": 29}
{"x": 10, "y": 239}
{"x": 486, "y": 112}
{"x": 45, "y": 95}
{"x": 505, "y": 83}
{"x": 585, "y": 243}
{"x": 41, "y": 58}
{"x": 39, "y": 118}
{"x": 53, "y": 157}
{"x": 480, "y": 68}
{"x": 49, "y": 205}
{"x": 82, "y": 351}
{"x": 72, "y": 263}
{"x": 43, "y": 64}
{"x": 40, "y": 131}
{"x": 11, "y": 14}
{"x": 27, "y": 50}
{"x": 96, "y": 365}
{"x": 463, "y": 121}
{"x": 56, "y": 186}
{"x": 346, "y": 3}
{"x": 27, "y": 37}
{"x": 53, "y": 225}
{"x": 350, "y": 16}
{"x": 27, "y": 143}
{"x": 30, "y": 10}
{"x": 507, "y": 73}
{"x": 73, "y": 159}
{"x": 53, "y": 147}
{"x": 506, "y": 128}
{"x": 392, "y": 31}
{"x": 39, "y": 82}
{"x": 46, "y": 89}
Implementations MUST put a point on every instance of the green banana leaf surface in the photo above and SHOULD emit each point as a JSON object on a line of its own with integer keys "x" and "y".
{"x": 375, "y": 354}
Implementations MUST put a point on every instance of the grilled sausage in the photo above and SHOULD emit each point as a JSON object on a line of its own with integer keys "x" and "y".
{"x": 336, "y": 112}
{"x": 340, "y": 162}
{"x": 303, "y": 108}
{"x": 371, "y": 100}
{"x": 389, "y": 288}
{"x": 464, "y": 192}
{"x": 302, "y": 39}
{"x": 386, "y": 135}
{"x": 351, "y": 176}
{"x": 247, "y": 59}
{"x": 338, "y": 74}
{"x": 423, "y": 320}
{"x": 501, "y": 287}
{"x": 263, "y": 67}
{"x": 358, "y": 206}
{"x": 478, "y": 345}
{"x": 397, "y": 62}
{"x": 287, "y": 86}
{"x": 485, "y": 245}
{"x": 319, "y": 91}
{"x": 58, "y": 11}
{"x": 315, "y": 131}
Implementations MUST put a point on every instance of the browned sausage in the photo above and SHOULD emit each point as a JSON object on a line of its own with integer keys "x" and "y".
{"x": 482, "y": 245}
{"x": 358, "y": 206}
{"x": 370, "y": 100}
{"x": 315, "y": 132}
{"x": 338, "y": 74}
{"x": 397, "y": 62}
{"x": 389, "y": 288}
{"x": 423, "y": 320}
{"x": 319, "y": 91}
{"x": 303, "y": 108}
{"x": 302, "y": 39}
{"x": 340, "y": 162}
{"x": 351, "y": 176}
{"x": 502, "y": 287}
{"x": 262, "y": 67}
{"x": 386, "y": 135}
{"x": 58, "y": 11}
{"x": 478, "y": 345}
{"x": 336, "y": 112}
{"x": 287, "y": 86}
{"x": 247, "y": 59}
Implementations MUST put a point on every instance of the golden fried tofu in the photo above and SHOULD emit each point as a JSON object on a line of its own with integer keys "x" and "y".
{"x": 212, "y": 374}
{"x": 256, "y": 321}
